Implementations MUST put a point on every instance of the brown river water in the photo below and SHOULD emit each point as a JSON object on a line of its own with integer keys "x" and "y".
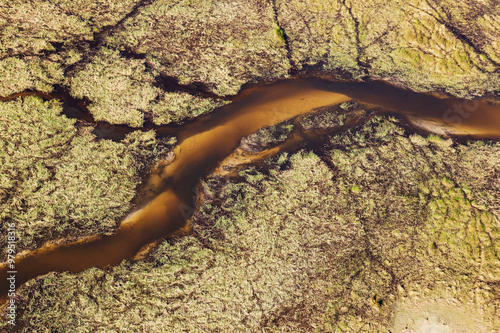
{"x": 205, "y": 142}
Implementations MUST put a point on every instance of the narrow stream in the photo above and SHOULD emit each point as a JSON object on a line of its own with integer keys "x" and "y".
{"x": 205, "y": 142}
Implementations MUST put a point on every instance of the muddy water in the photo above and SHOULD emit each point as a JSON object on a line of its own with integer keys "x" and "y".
{"x": 207, "y": 141}
{"x": 446, "y": 116}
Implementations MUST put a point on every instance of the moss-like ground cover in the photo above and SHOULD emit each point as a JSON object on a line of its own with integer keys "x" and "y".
{"x": 303, "y": 245}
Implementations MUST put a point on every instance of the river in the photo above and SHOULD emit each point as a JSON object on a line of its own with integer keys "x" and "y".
{"x": 205, "y": 142}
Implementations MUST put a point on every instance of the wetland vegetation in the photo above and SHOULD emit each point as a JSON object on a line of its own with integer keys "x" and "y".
{"x": 353, "y": 218}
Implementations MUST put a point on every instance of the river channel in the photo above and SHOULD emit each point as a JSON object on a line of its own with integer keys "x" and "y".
{"x": 205, "y": 142}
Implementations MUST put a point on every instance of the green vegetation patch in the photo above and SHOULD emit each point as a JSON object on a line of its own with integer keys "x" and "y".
{"x": 332, "y": 117}
{"x": 120, "y": 89}
{"x": 319, "y": 31}
{"x": 28, "y": 73}
{"x": 221, "y": 44}
{"x": 426, "y": 45}
{"x": 33, "y": 27}
{"x": 123, "y": 91}
{"x": 56, "y": 182}
{"x": 179, "y": 107}
{"x": 267, "y": 136}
